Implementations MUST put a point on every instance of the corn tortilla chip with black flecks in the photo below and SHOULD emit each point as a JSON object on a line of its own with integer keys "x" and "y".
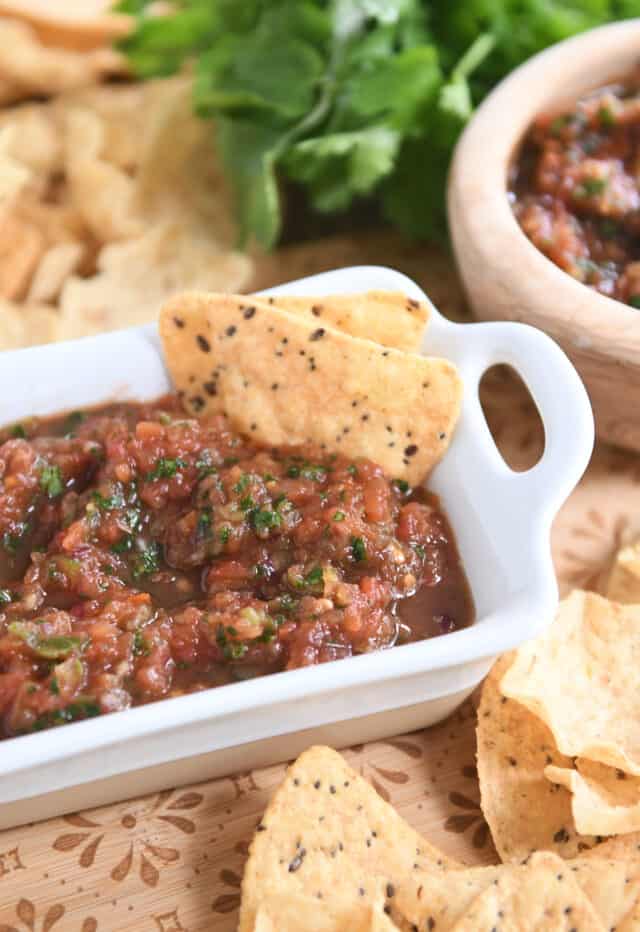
{"x": 604, "y": 800}
{"x": 524, "y": 811}
{"x": 327, "y": 831}
{"x": 582, "y": 678}
{"x": 284, "y": 914}
{"x": 283, "y": 380}
{"x": 617, "y": 848}
{"x": 386, "y": 317}
{"x": 612, "y": 886}
{"x": 541, "y": 894}
{"x": 603, "y": 894}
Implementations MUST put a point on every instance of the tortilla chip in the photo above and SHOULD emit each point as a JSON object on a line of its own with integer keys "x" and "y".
{"x": 542, "y": 894}
{"x": 180, "y": 179}
{"x": 283, "y": 380}
{"x": 327, "y": 831}
{"x": 612, "y": 886}
{"x": 582, "y": 678}
{"x": 616, "y": 848}
{"x": 125, "y": 112}
{"x": 282, "y": 914}
{"x": 623, "y": 584}
{"x": 26, "y": 325}
{"x": 516, "y": 893}
{"x": 34, "y": 142}
{"x": 14, "y": 175}
{"x": 55, "y": 266}
{"x": 102, "y": 193}
{"x": 382, "y": 316}
{"x": 136, "y": 276}
{"x": 524, "y": 811}
{"x": 74, "y": 24}
{"x": 604, "y": 801}
{"x": 21, "y": 247}
{"x": 30, "y": 67}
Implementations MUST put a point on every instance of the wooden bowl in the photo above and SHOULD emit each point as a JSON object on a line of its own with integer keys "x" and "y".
{"x": 504, "y": 275}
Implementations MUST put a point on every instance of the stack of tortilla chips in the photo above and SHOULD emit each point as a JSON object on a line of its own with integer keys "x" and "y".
{"x": 559, "y": 767}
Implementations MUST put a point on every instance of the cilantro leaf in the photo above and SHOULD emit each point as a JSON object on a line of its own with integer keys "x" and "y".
{"x": 51, "y": 481}
{"x": 346, "y": 98}
{"x": 165, "y": 468}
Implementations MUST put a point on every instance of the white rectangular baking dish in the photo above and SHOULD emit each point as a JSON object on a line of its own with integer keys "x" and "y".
{"x": 501, "y": 520}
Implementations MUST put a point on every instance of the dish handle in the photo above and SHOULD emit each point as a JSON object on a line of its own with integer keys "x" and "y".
{"x": 559, "y": 395}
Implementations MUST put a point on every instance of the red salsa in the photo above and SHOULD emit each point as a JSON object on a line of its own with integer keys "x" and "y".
{"x": 575, "y": 189}
{"x": 144, "y": 554}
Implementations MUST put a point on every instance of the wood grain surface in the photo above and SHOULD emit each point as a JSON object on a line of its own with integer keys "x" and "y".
{"x": 173, "y": 861}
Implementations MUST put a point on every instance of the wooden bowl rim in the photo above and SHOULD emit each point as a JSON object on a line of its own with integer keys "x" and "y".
{"x": 479, "y": 175}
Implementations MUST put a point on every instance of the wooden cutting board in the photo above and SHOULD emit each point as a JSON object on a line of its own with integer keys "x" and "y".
{"x": 173, "y": 861}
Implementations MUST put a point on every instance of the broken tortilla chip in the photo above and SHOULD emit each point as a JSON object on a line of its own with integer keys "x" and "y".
{"x": 524, "y": 811}
{"x": 604, "y": 800}
{"x": 601, "y": 894}
{"x": 541, "y": 894}
{"x": 282, "y": 379}
{"x": 329, "y": 848}
{"x": 135, "y": 277}
{"x": 29, "y": 67}
{"x": 54, "y": 268}
{"x": 26, "y": 325}
{"x": 382, "y": 316}
{"x": 78, "y": 25}
{"x": 327, "y": 831}
{"x": 283, "y": 914}
{"x": 617, "y": 848}
{"x": 582, "y": 678}
{"x": 623, "y": 584}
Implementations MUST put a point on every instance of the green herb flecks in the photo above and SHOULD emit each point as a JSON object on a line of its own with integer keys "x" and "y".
{"x": 147, "y": 561}
{"x": 310, "y": 471}
{"x": 263, "y": 520}
{"x": 51, "y": 481}
{"x": 606, "y": 117}
{"x": 140, "y": 645}
{"x": 51, "y": 648}
{"x": 231, "y": 650}
{"x": 73, "y": 421}
{"x": 165, "y": 468}
{"x": 13, "y": 540}
{"x": 83, "y": 707}
{"x": 358, "y": 549}
{"x": 590, "y": 187}
{"x": 124, "y": 545}
{"x": 203, "y": 526}
{"x": 204, "y": 464}
{"x": 247, "y": 503}
{"x": 242, "y": 483}
{"x": 109, "y": 502}
{"x": 401, "y": 485}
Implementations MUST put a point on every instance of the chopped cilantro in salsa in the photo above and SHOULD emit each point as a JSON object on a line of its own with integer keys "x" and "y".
{"x": 51, "y": 481}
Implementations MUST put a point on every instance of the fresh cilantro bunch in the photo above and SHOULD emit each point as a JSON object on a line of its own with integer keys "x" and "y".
{"x": 348, "y": 98}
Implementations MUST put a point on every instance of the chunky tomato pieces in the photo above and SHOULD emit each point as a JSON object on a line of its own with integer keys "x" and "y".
{"x": 576, "y": 192}
{"x": 144, "y": 555}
